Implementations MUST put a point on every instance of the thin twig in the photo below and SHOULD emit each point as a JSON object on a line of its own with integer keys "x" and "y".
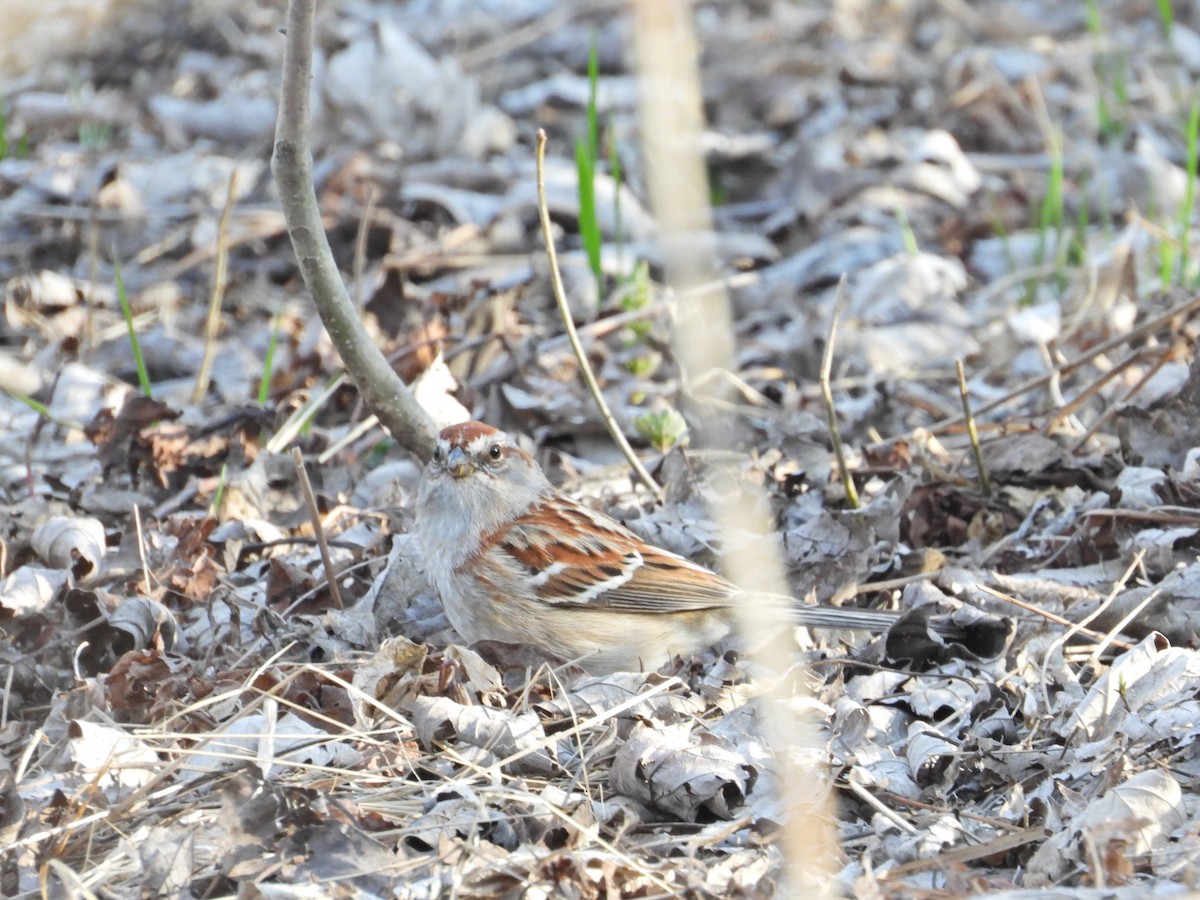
{"x": 1066, "y": 369}
{"x": 1116, "y": 408}
{"x": 1051, "y": 617}
{"x": 360, "y": 245}
{"x": 1118, "y": 586}
{"x": 560, "y": 297}
{"x": 310, "y": 501}
{"x": 1110, "y": 639}
{"x": 827, "y": 395}
{"x": 985, "y": 485}
{"x": 141, "y": 545}
{"x": 1069, "y": 407}
{"x": 218, "y": 292}
{"x": 876, "y": 804}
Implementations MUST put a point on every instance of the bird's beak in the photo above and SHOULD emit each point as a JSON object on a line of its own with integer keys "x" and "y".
{"x": 457, "y": 463}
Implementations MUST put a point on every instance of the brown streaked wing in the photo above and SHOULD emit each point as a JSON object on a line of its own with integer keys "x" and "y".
{"x": 578, "y": 556}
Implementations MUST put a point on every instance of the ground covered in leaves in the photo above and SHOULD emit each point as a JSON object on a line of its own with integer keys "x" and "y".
{"x": 189, "y": 710}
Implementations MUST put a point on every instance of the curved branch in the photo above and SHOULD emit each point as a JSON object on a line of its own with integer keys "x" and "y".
{"x": 291, "y": 164}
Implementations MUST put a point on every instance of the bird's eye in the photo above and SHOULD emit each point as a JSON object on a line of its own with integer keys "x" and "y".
{"x": 495, "y": 452}
{"x": 437, "y": 454}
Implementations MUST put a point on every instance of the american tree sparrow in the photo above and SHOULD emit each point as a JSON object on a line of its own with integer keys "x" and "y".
{"x": 514, "y": 560}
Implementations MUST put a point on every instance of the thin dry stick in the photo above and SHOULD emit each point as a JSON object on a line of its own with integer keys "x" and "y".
{"x": 1052, "y": 617}
{"x": 1118, "y": 586}
{"x": 985, "y": 484}
{"x": 891, "y": 584}
{"x": 291, "y": 426}
{"x": 955, "y": 860}
{"x": 827, "y": 395}
{"x": 1070, "y": 407}
{"x": 560, "y": 297}
{"x": 1120, "y": 626}
{"x": 218, "y": 293}
{"x": 310, "y": 500}
{"x": 1068, "y": 368}
{"x": 360, "y": 245}
{"x": 878, "y": 805}
{"x": 141, "y": 545}
{"x": 1115, "y": 408}
{"x": 152, "y": 790}
{"x": 8, "y": 682}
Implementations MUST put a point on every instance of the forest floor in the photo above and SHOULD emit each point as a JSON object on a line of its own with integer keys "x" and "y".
{"x": 187, "y": 710}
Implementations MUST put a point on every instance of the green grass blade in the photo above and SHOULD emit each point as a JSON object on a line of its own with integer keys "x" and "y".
{"x": 593, "y": 114}
{"x": 906, "y": 232}
{"x": 42, "y": 410}
{"x": 1166, "y": 16}
{"x": 587, "y": 155}
{"x": 264, "y": 383}
{"x": 1189, "y": 197}
{"x": 127, "y": 314}
{"x": 214, "y": 508}
{"x": 589, "y": 225}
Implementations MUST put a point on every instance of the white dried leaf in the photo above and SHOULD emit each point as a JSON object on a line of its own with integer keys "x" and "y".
{"x": 71, "y": 542}
{"x": 291, "y": 740}
{"x": 928, "y": 753}
{"x": 1141, "y": 814}
{"x": 1140, "y": 680}
{"x": 929, "y": 698}
{"x": 455, "y": 816}
{"x": 907, "y": 286}
{"x": 111, "y": 755}
{"x": 382, "y": 83}
{"x": 683, "y": 772}
{"x": 887, "y": 772}
{"x": 593, "y": 697}
{"x": 1137, "y": 485}
{"x": 142, "y": 619}
{"x": 1159, "y": 546}
{"x": 30, "y": 588}
{"x": 501, "y": 732}
{"x": 462, "y": 206}
{"x": 230, "y": 746}
{"x": 434, "y": 392}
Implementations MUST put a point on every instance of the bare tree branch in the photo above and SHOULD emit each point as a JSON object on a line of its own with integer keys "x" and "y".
{"x": 382, "y": 390}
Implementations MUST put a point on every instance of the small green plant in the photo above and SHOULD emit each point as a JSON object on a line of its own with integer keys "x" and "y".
{"x": 127, "y": 315}
{"x": 1077, "y": 248}
{"x": 1173, "y": 249}
{"x": 264, "y": 383}
{"x": 906, "y": 232}
{"x": 1049, "y": 221}
{"x": 219, "y": 495}
{"x": 1111, "y": 77}
{"x": 4, "y": 147}
{"x": 21, "y": 150}
{"x": 1050, "y": 215}
{"x": 662, "y": 429}
{"x": 1166, "y": 17}
{"x": 95, "y": 136}
{"x": 1001, "y": 230}
{"x": 636, "y": 294}
{"x": 42, "y": 410}
{"x": 587, "y": 155}
{"x": 1183, "y": 227}
{"x": 718, "y": 193}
